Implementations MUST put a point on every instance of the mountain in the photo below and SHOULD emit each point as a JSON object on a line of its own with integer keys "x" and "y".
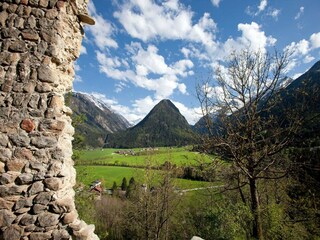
{"x": 305, "y": 90}
{"x": 93, "y": 120}
{"x": 163, "y": 126}
{"x": 308, "y": 86}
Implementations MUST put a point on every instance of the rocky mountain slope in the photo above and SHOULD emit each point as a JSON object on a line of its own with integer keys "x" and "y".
{"x": 93, "y": 120}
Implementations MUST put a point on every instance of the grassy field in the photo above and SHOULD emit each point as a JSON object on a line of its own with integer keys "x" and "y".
{"x": 110, "y": 174}
{"x": 106, "y": 174}
{"x": 109, "y": 166}
{"x": 179, "y": 156}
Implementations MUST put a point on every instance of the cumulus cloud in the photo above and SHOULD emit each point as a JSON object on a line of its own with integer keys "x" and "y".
{"x": 315, "y": 40}
{"x": 148, "y": 20}
{"x": 299, "y": 48}
{"x": 300, "y": 13}
{"x": 303, "y": 49}
{"x": 145, "y": 67}
{"x": 274, "y": 13}
{"x": 102, "y": 31}
{"x": 262, "y": 6}
{"x": 110, "y": 66}
{"x": 252, "y": 37}
{"x": 150, "y": 70}
{"x": 151, "y": 60}
{"x": 215, "y": 2}
{"x": 185, "y": 51}
{"x": 182, "y": 88}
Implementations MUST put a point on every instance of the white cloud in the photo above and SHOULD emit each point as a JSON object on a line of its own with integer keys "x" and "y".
{"x": 119, "y": 86}
{"x": 315, "y": 40}
{"x": 299, "y": 14}
{"x": 199, "y": 53}
{"x": 300, "y": 48}
{"x": 83, "y": 50}
{"x": 191, "y": 114}
{"x": 274, "y": 13}
{"x": 291, "y": 65}
{"x": 186, "y": 52}
{"x": 181, "y": 67}
{"x": 308, "y": 59}
{"x": 143, "y": 106}
{"x": 261, "y": 7}
{"x": 252, "y": 37}
{"x": 215, "y": 2}
{"x": 151, "y": 60}
{"x": 182, "y": 88}
{"x": 102, "y": 31}
{"x": 141, "y": 70}
{"x": 147, "y": 20}
{"x": 110, "y": 67}
{"x": 77, "y": 69}
{"x": 77, "y": 78}
{"x": 150, "y": 71}
{"x": 263, "y": 4}
{"x": 301, "y": 52}
{"x": 172, "y": 4}
{"x": 168, "y": 20}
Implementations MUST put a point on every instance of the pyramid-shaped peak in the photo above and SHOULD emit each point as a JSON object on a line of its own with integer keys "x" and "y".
{"x": 163, "y": 126}
{"x": 166, "y": 103}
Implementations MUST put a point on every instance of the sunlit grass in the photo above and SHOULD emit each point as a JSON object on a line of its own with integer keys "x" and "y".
{"x": 178, "y": 156}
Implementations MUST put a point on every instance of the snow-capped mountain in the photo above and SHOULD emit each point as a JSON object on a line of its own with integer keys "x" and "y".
{"x": 93, "y": 119}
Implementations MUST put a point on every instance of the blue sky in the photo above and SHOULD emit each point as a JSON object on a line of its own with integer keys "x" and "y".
{"x": 142, "y": 51}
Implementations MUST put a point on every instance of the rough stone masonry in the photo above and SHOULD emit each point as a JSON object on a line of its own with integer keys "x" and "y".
{"x": 39, "y": 41}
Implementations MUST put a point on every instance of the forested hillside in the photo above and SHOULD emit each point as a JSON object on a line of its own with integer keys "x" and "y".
{"x": 163, "y": 126}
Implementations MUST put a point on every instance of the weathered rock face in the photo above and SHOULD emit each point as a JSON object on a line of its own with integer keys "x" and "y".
{"x": 39, "y": 40}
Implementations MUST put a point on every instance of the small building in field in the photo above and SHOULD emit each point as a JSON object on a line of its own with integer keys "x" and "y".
{"x": 96, "y": 187}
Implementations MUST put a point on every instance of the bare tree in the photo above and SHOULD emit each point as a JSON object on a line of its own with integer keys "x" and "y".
{"x": 247, "y": 120}
{"x": 152, "y": 206}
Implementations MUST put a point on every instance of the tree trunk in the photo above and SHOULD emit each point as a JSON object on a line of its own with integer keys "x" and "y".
{"x": 255, "y": 209}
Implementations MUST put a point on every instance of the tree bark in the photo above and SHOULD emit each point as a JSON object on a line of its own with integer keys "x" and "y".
{"x": 257, "y": 232}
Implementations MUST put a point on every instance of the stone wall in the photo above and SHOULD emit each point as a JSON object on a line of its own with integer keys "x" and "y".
{"x": 39, "y": 40}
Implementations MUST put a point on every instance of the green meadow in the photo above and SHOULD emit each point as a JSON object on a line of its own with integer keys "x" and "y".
{"x": 178, "y": 156}
{"x": 106, "y": 174}
{"x": 109, "y": 166}
{"x": 109, "y": 174}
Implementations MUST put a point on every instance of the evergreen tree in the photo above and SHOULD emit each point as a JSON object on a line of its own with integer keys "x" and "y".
{"x": 124, "y": 184}
{"x": 132, "y": 182}
{"x": 131, "y": 187}
{"x": 114, "y": 187}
